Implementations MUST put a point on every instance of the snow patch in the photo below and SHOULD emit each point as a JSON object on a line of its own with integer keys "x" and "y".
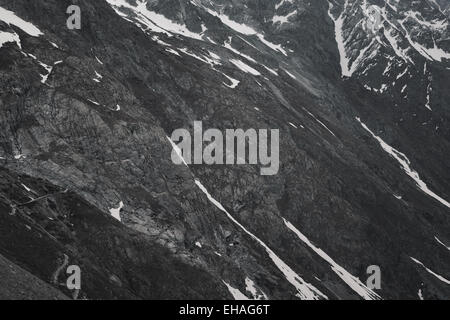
{"x": 305, "y": 290}
{"x": 94, "y": 102}
{"x": 230, "y": 47}
{"x": 441, "y": 243}
{"x": 234, "y": 82}
{"x": 339, "y": 36}
{"x": 115, "y": 212}
{"x": 283, "y": 19}
{"x": 6, "y": 37}
{"x": 98, "y": 60}
{"x": 237, "y": 295}
{"x": 245, "y": 30}
{"x": 245, "y": 67}
{"x": 439, "y": 277}
{"x": 354, "y": 283}
{"x": 419, "y": 293}
{"x": 251, "y": 287}
{"x": 151, "y": 20}
{"x": 25, "y": 187}
{"x": 98, "y": 77}
{"x": 172, "y": 51}
{"x": 12, "y": 19}
{"x": 405, "y": 163}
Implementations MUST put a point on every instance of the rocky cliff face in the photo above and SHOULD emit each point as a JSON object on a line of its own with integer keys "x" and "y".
{"x": 364, "y": 146}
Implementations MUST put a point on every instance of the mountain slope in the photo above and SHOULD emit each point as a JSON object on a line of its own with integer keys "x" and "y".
{"x": 363, "y": 172}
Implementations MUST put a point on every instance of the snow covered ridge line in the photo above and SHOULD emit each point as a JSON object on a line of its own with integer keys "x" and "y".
{"x": 354, "y": 283}
{"x": 219, "y": 150}
{"x": 405, "y": 163}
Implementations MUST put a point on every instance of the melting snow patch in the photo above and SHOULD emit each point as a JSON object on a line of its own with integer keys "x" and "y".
{"x": 94, "y": 102}
{"x": 282, "y": 2}
{"x": 290, "y": 74}
{"x": 172, "y": 51}
{"x": 211, "y": 61}
{"x": 394, "y": 42}
{"x": 98, "y": 60}
{"x": 256, "y": 294}
{"x": 338, "y": 30}
{"x": 434, "y": 53}
{"x": 49, "y": 69}
{"x": 274, "y": 47}
{"x": 245, "y": 67}
{"x": 98, "y": 77}
{"x": 354, "y": 283}
{"x": 115, "y": 213}
{"x": 6, "y": 37}
{"x": 402, "y": 74}
{"x": 246, "y": 30}
{"x": 439, "y": 277}
{"x": 419, "y": 293}
{"x": 403, "y": 160}
{"x": 214, "y": 56}
{"x": 229, "y": 47}
{"x": 347, "y": 66}
{"x": 283, "y": 19}
{"x": 305, "y": 290}
{"x": 26, "y": 188}
{"x": 154, "y": 21}
{"x": 234, "y": 82}
{"x": 10, "y": 18}
{"x": 428, "y": 103}
{"x": 237, "y": 295}
{"x": 441, "y": 243}
{"x": 270, "y": 70}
